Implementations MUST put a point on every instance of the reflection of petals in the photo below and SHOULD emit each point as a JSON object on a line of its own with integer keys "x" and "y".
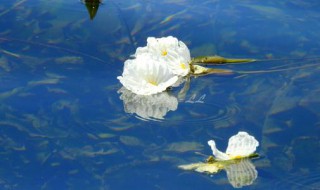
{"x": 241, "y": 173}
{"x": 153, "y": 106}
{"x": 240, "y": 146}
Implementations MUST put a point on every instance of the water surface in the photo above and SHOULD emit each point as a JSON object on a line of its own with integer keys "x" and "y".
{"x": 63, "y": 124}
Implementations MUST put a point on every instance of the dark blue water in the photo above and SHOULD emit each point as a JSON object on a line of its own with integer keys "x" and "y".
{"x": 63, "y": 124}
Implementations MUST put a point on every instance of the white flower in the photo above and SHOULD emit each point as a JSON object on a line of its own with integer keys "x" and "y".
{"x": 159, "y": 65}
{"x": 145, "y": 76}
{"x": 148, "y": 107}
{"x": 169, "y": 50}
{"x": 240, "y": 146}
{"x": 179, "y": 64}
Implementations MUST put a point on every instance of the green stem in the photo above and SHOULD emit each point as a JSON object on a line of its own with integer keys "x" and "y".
{"x": 218, "y": 60}
{"x": 197, "y": 70}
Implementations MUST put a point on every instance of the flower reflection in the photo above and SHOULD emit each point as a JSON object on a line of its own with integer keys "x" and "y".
{"x": 153, "y": 106}
{"x": 242, "y": 173}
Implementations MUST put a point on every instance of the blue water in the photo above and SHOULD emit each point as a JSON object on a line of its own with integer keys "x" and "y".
{"x": 63, "y": 124}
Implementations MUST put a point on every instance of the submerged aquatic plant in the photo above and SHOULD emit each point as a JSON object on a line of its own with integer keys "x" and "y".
{"x": 236, "y": 160}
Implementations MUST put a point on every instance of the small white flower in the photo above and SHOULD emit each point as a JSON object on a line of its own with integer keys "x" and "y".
{"x": 145, "y": 76}
{"x": 240, "y": 146}
{"x": 148, "y": 107}
{"x": 178, "y": 64}
{"x": 162, "y": 47}
{"x": 169, "y": 50}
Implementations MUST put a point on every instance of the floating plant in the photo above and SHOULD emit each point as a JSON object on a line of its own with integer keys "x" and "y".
{"x": 235, "y": 161}
{"x": 163, "y": 63}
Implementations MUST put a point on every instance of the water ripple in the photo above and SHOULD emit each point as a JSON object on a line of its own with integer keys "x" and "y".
{"x": 220, "y": 115}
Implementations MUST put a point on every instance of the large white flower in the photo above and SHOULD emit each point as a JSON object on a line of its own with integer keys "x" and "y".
{"x": 145, "y": 76}
{"x": 240, "y": 146}
{"x": 172, "y": 52}
{"x": 148, "y": 107}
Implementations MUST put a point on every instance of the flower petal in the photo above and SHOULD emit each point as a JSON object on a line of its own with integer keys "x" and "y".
{"x": 217, "y": 153}
{"x": 170, "y": 51}
{"x": 241, "y": 145}
{"x": 145, "y": 76}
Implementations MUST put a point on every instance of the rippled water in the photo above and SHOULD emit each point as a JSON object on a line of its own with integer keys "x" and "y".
{"x": 65, "y": 123}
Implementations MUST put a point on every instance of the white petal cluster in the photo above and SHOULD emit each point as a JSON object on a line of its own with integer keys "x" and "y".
{"x": 145, "y": 76}
{"x": 156, "y": 66}
{"x": 169, "y": 50}
{"x": 240, "y": 146}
